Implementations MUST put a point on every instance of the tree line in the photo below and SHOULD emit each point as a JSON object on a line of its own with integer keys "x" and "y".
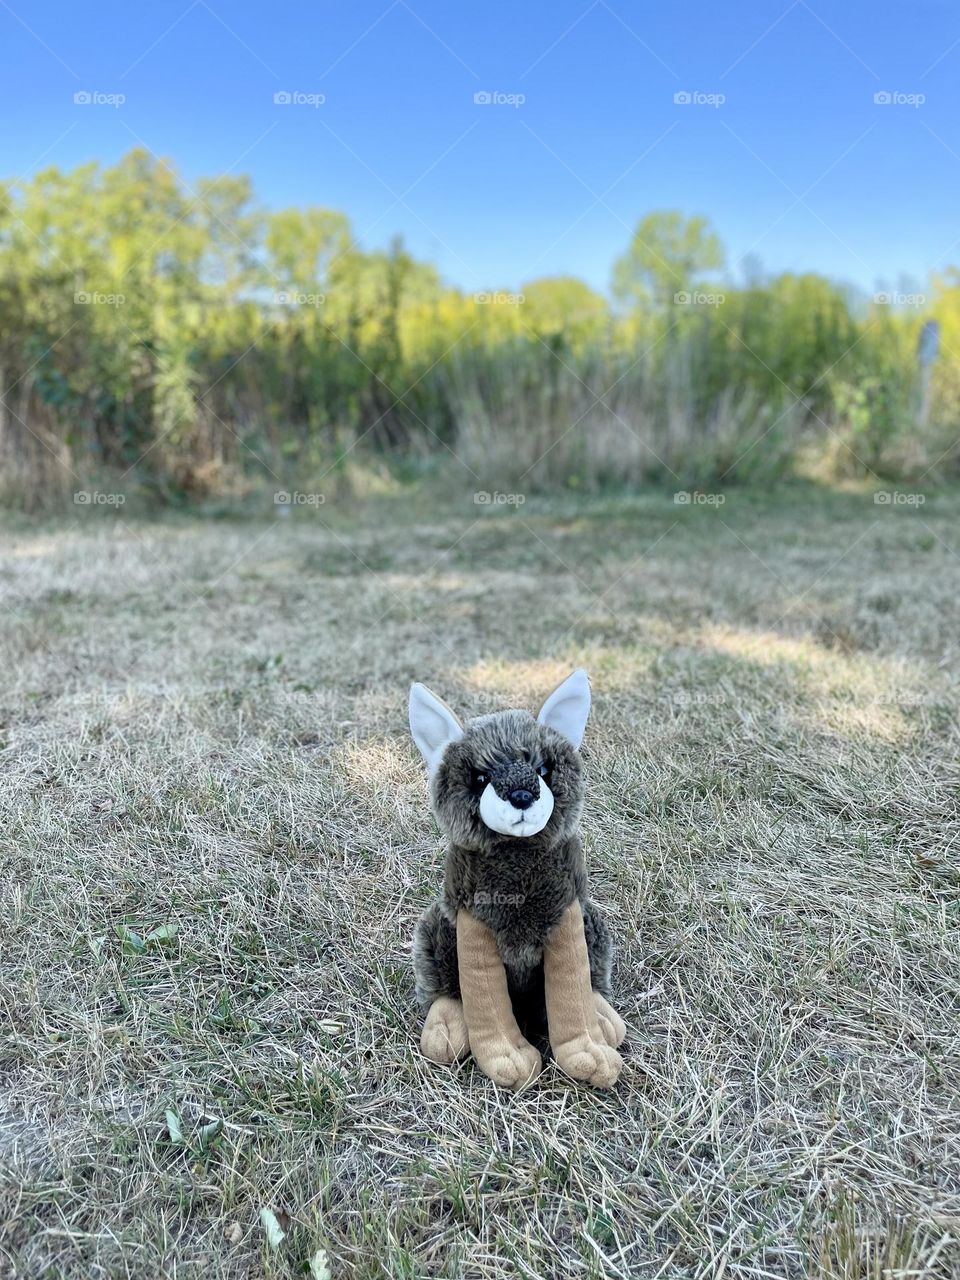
{"x": 187, "y": 340}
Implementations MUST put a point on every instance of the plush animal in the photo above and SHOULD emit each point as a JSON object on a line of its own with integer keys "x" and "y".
{"x": 513, "y": 948}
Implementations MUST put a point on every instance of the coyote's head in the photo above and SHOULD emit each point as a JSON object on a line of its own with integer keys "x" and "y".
{"x": 505, "y": 774}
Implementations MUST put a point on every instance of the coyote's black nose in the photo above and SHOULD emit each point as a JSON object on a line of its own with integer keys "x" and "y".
{"x": 521, "y": 799}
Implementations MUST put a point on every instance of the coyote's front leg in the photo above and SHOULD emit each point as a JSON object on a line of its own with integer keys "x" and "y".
{"x": 576, "y": 1037}
{"x": 496, "y": 1041}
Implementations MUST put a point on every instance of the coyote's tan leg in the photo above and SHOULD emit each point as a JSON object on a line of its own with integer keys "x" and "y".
{"x": 495, "y": 1039}
{"x": 576, "y": 1038}
{"x": 444, "y": 1038}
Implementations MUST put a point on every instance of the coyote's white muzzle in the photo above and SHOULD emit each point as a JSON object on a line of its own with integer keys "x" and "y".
{"x": 505, "y": 818}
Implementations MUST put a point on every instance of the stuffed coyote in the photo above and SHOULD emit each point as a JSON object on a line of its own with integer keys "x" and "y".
{"x": 513, "y": 942}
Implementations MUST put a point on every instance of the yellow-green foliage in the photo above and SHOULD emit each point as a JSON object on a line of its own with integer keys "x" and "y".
{"x": 152, "y": 325}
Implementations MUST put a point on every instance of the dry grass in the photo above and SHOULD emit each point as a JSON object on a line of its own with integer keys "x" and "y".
{"x": 204, "y": 734}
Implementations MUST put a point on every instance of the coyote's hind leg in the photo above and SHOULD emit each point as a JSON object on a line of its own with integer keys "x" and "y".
{"x": 444, "y": 1038}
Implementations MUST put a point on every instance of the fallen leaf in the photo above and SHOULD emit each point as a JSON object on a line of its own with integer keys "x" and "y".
{"x": 174, "y": 1128}
{"x": 319, "y": 1265}
{"x": 130, "y": 940}
{"x": 275, "y": 1233}
{"x": 162, "y": 935}
{"x": 208, "y": 1133}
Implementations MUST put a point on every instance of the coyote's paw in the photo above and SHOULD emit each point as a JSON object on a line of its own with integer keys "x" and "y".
{"x": 592, "y": 1061}
{"x": 507, "y": 1064}
{"x": 444, "y": 1037}
{"x": 612, "y": 1026}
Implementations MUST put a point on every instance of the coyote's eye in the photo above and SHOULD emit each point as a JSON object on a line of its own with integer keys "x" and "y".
{"x": 544, "y": 771}
{"x": 478, "y": 780}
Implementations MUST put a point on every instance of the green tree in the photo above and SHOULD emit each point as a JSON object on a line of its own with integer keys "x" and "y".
{"x": 664, "y": 257}
{"x": 305, "y": 247}
{"x": 566, "y": 306}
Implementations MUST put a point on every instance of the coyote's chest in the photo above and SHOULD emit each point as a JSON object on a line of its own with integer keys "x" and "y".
{"x": 521, "y": 905}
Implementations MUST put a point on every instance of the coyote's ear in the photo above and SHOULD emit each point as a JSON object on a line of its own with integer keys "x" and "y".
{"x": 432, "y": 724}
{"x": 567, "y": 708}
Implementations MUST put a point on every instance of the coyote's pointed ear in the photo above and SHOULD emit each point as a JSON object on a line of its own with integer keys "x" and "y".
{"x": 567, "y": 708}
{"x": 432, "y": 724}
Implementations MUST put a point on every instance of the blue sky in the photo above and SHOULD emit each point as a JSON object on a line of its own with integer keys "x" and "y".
{"x": 798, "y": 165}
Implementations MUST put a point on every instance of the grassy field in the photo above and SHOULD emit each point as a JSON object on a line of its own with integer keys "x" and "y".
{"x": 216, "y": 842}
